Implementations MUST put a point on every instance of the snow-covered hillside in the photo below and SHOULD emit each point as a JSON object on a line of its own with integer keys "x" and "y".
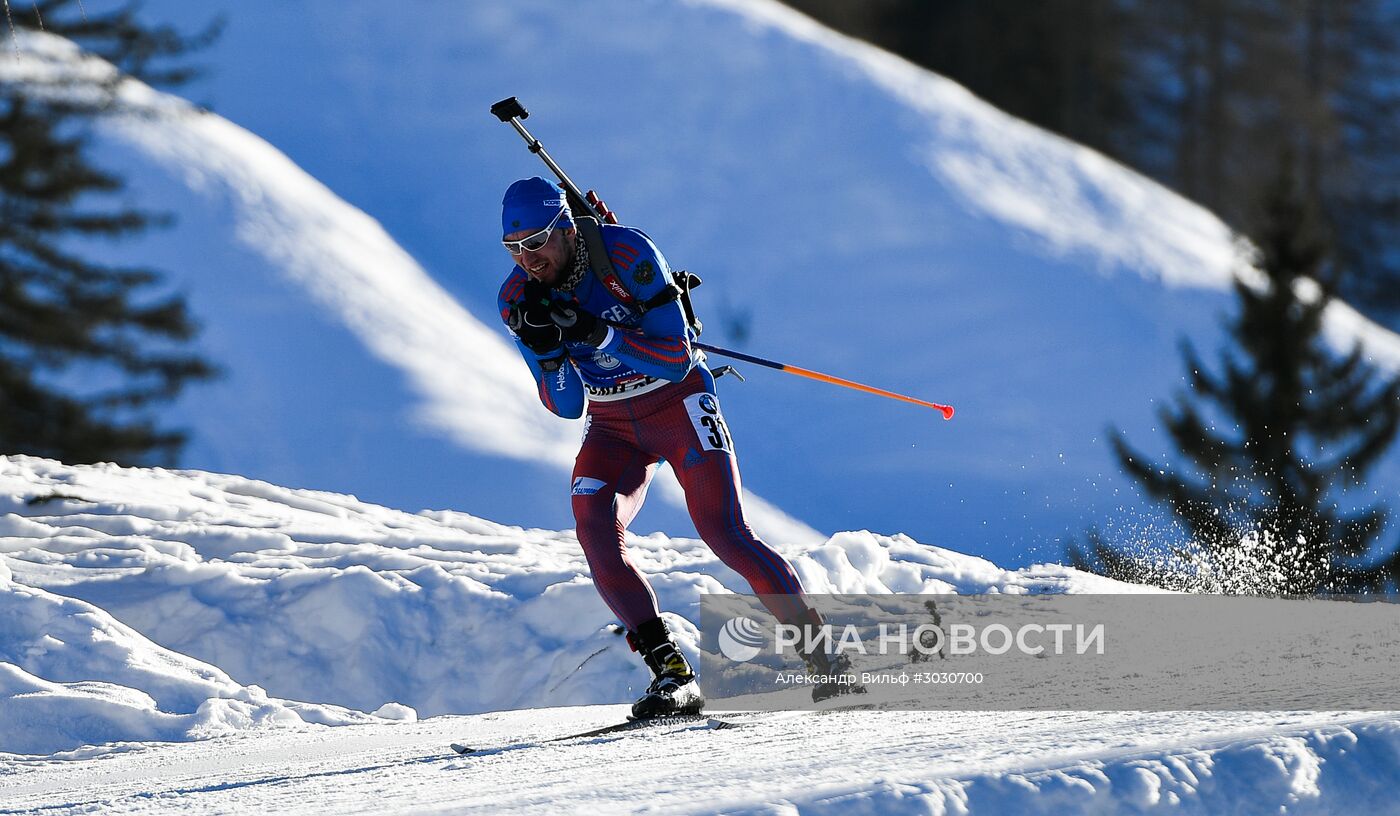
{"x": 220, "y": 581}
{"x": 319, "y": 596}
{"x": 849, "y": 212}
{"x": 71, "y": 675}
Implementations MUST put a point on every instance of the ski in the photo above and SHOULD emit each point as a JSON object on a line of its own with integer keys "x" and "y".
{"x": 709, "y": 723}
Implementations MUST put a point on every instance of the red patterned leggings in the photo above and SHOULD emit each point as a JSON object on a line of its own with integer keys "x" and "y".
{"x": 624, "y": 442}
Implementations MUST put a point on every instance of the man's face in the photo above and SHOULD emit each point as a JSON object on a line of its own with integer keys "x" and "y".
{"x": 546, "y": 264}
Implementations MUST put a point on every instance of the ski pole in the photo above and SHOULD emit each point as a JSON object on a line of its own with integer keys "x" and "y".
{"x": 511, "y": 112}
{"x": 947, "y": 410}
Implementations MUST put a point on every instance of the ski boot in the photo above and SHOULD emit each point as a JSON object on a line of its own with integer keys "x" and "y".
{"x": 840, "y": 675}
{"x": 673, "y": 689}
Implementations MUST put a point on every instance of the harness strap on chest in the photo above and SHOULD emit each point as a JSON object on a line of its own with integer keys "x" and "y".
{"x": 599, "y": 261}
{"x": 603, "y": 270}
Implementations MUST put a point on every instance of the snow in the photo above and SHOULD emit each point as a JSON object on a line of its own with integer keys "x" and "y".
{"x": 196, "y": 642}
{"x": 928, "y": 763}
{"x": 71, "y": 675}
{"x": 318, "y": 596}
{"x": 1073, "y": 199}
{"x": 359, "y": 605}
{"x": 355, "y": 270}
{"x": 850, "y": 213}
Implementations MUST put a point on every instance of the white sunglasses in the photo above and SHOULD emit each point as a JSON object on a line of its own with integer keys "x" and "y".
{"x": 535, "y": 242}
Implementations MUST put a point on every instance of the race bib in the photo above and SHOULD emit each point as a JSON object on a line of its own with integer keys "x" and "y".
{"x": 710, "y": 429}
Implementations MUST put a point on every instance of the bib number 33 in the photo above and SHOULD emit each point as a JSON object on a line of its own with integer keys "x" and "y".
{"x": 709, "y": 423}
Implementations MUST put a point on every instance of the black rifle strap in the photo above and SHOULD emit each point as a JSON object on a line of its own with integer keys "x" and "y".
{"x": 599, "y": 261}
{"x": 670, "y": 293}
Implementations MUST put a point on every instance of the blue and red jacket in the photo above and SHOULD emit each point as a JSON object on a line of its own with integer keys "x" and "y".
{"x": 643, "y": 352}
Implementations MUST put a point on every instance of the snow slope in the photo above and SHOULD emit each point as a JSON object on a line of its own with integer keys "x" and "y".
{"x": 319, "y": 596}
{"x": 71, "y": 675}
{"x": 850, "y": 213}
{"x": 825, "y": 763}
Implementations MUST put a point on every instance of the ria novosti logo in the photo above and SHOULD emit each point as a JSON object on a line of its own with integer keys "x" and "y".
{"x": 741, "y": 639}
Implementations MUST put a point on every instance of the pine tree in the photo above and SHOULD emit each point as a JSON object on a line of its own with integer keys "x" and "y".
{"x": 1271, "y": 443}
{"x": 1222, "y": 85}
{"x": 86, "y": 348}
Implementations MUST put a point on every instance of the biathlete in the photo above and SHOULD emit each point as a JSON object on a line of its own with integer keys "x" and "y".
{"x": 615, "y": 340}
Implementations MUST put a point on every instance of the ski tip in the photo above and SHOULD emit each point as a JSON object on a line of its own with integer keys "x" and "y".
{"x": 462, "y": 749}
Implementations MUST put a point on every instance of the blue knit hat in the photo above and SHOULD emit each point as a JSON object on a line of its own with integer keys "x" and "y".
{"x": 531, "y": 204}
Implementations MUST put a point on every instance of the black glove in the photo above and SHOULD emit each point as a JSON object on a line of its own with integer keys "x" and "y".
{"x": 530, "y": 320}
{"x": 578, "y": 326}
